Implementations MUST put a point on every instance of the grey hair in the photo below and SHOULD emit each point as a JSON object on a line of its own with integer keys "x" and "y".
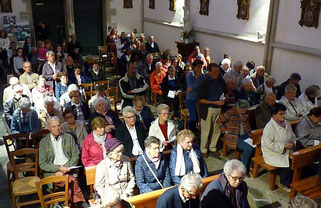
{"x": 161, "y": 107}
{"x": 190, "y": 181}
{"x": 17, "y": 87}
{"x": 128, "y": 109}
{"x": 238, "y": 63}
{"x": 246, "y": 81}
{"x": 234, "y": 165}
{"x": 159, "y": 64}
{"x": 230, "y": 80}
{"x": 13, "y": 80}
{"x": 24, "y": 103}
{"x": 151, "y": 140}
{"x": 49, "y": 53}
{"x": 312, "y": 90}
{"x": 290, "y": 88}
{"x": 149, "y": 55}
{"x": 270, "y": 79}
{"x": 226, "y": 61}
{"x": 100, "y": 99}
{"x": 110, "y": 195}
{"x": 48, "y": 99}
{"x": 302, "y": 202}
{"x": 243, "y": 104}
{"x": 54, "y": 118}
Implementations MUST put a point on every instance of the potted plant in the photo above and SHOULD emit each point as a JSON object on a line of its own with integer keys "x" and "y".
{"x": 187, "y": 36}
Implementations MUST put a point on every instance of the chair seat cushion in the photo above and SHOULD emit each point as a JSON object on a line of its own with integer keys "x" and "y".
{"x": 26, "y": 185}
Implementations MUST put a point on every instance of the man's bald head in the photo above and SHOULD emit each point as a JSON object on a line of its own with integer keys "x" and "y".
{"x": 269, "y": 99}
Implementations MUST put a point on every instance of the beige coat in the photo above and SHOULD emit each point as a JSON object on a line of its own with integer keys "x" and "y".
{"x": 273, "y": 140}
{"x": 290, "y": 113}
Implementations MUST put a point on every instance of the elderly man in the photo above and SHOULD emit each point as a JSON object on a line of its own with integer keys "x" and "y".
{"x": 156, "y": 78}
{"x": 225, "y": 66}
{"x": 151, "y": 45}
{"x": 51, "y": 70}
{"x": 148, "y": 67}
{"x": 69, "y": 67}
{"x": 57, "y": 153}
{"x": 259, "y": 76}
{"x": 294, "y": 79}
{"x": 8, "y": 91}
{"x": 50, "y": 111}
{"x": 231, "y": 96}
{"x": 151, "y": 169}
{"x": 197, "y": 55}
{"x": 131, "y": 84}
{"x": 266, "y": 88}
{"x": 25, "y": 119}
{"x": 211, "y": 97}
{"x": 294, "y": 109}
{"x": 231, "y": 181}
{"x": 262, "y": 111}
{"x": 28, "y": 77}
{"x": 183, "y": 196}
{"x": 80, "y": 108}
{"x": 207, "y": 56}
{"x": 246, "y": 92}
{"x": 235, "y": 73}
{"x": 130, "y": 133}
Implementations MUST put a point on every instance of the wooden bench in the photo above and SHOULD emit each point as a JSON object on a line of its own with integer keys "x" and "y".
{"x": 311, "y": 186}
{"x": 149, "y": 200}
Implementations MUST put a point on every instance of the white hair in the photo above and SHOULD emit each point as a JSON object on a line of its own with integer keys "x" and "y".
{"x": 128, "y": 109}
{"x": 54, "y": 118}
{"x": 161, "y": 107}
{"x": 48, "y": 99}
{"x": 239, "y": 63}
{"x": 234, "y": 165}
{"x": 49, "y": 53}
{"x": 159, "y": 64}
{"x": 290, "y": 88}
{"x": 226, "y": 61}
{"x": 18, "y": 87}
{"x": 190, "y": 181}
{"x": 24, "y": 102}
{"x": 100, "y": 99}
{"x": 270, "y": 80}
{"x": 246, "y": 81}
{"x": 13, "y": 80}
{"x": 149, "y": 55}
{"x": 110, "y": 195}
{"x": 72, "y": 87}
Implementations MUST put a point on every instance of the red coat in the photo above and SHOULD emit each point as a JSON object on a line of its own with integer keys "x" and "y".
{"x": 91, "y": 151}
{"x": 156, "y": 80}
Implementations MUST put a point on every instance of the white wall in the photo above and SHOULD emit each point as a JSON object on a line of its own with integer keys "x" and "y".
{"x": 127, "y": 19}
{"x": 222, "y": 17}
{"x": 17, "y": 7}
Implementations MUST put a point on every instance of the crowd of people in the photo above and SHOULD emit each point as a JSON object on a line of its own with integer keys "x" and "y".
{"x": 45, "y": 92}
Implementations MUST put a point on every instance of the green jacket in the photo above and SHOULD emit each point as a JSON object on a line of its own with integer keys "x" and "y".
{"x": 47, "y": 155}
{"x": 262, "y": 115}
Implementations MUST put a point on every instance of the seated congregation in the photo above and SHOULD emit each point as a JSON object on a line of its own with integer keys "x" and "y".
{"x": 134, "y": 150}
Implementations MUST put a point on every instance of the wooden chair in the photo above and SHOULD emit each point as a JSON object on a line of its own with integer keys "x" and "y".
{"x": 250, "y": 113}
{"x": 52, "y": 198}
{"x": 184, "y": 111}
{"x": 11, "y": 143}
{"x": 26, "y": 185}
{"x": 88, "y": 96}
{"x": 86, "y": 87}
{"x": 154, "y": 98}
{"x": 149, "y": 200}
{"x": 112, "y": 94}
{"x": 310, "y": 187}
{"x": 39, "y": 135}
{"x": 103, "y": 54}
{"x": 103, "y": 82}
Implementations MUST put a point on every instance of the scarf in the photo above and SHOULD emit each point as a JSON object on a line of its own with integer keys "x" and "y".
{"x": 99, "y": 139}
{"x": 45, "y": 89}
{"x": 280, "y": 123}
{"x": 180, "y": 162}
{"x": 235, "y": 201}
{"x": 156, "y": 161}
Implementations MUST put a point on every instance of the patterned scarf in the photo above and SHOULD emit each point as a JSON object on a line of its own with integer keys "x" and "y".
{"x": 280, "y": 123}
{"x": 227, "y": 189}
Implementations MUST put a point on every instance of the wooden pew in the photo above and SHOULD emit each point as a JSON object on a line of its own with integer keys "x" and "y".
{"x": 258, "y": 160}
{"x": 311, "y": 186}
{"x": 149, "y": 200}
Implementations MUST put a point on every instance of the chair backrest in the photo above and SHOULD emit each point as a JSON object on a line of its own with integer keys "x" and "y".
{"x": 39, "y": 135}
{"x": 52, "y": 198}
{"x": 88, "y": 87}
{"x": 102, "y": 82}
{"x": 181, "y": 100}
{"x": 250, "y": 113}
{"x": 28, "y": 158}
{"x": 17, "y": 141}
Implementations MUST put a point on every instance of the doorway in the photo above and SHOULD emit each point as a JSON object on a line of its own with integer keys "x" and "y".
{"x": 51, "y": 13}
{"x": 88, "y": 25}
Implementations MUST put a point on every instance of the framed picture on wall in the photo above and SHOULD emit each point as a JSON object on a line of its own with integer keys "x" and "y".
{"x": 243, "y": 11}
{"x": 5, "y": 6}
{"x": 172, "y": 5}
{"x": 310, "y": 13}
{"x": 128, "y": 4}
{"x": 152, "y": 4}
{"x": 204, "y": 6}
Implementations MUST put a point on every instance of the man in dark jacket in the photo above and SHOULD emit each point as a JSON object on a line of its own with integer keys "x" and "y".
{"x": 262, "y": 111}
{"x": 151, "y": 45}
{"x": 294, "y": 79}
{"x": 96, "y": 74}
{"x": 131, "y": 84}
{"x": 186, "y": 195}
{"x": 130, "y": 133}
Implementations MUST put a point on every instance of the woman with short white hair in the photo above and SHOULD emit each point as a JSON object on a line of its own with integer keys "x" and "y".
{"x": 111, "y": 199}
{"x": 309, "y": 99}
{"x": 229, "y": 189}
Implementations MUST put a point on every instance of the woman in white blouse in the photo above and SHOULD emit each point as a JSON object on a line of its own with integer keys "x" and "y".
{"x": 18, "y": 61}
{"x": 4, "y": 45}
{"x": 277, "y": 142}
{"x": 115, "y": 170}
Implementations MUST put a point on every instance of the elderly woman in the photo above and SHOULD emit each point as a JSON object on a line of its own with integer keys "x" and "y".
{"x": 186, "y": 157}
{"x": 277, "y": 141}
{"x": 73, "y": 126}
{"x": 151, "y": 169}
{"x": 235, "y": 125}
{"x": 102, "y": 109}
{"x": 80, "y": 108}
{"x": 25, "y": 119}
{"x": 50, "y": 111}
{"x": 144, "y": 114}
{"x": 308, "y": 99}
{"x": 308, "y": 130}
{"x": 246, "y": 92}
{"x": 225, "y": 66}
{"x": 228, "y": 190}
{"x": 115, "y": 170}
{"x": 163, "y": 128}
{"x": 65, "y": 97}
{"x": 100, "y": 92}
{"x": 294, "y": 109}
{"x": 51, "y": 69}
{"x": 93, "y": 146}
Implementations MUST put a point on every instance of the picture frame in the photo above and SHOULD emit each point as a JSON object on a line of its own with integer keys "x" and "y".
{"x": 310, "y": 13}
{"x": 204, "y": 7}
{"x": 243, "y": 11}
{"x": 152, "y": 4}
{"x": 6, "y": 6}
{"x": 172, "y": 5}
{"x": 128, "y": 4}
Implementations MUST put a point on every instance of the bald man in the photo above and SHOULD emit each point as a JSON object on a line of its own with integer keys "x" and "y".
{"x": 28, "y": 77}
{"x": 262, "y": 112}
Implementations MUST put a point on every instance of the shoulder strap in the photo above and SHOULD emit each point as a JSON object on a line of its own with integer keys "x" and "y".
{"x": 106, "y": 174}
{"x": 151, "y": 170}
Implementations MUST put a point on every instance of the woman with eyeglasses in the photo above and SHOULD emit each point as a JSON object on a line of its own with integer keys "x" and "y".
{"x": 115, "y": 170}
{"x": 228, "y": 190}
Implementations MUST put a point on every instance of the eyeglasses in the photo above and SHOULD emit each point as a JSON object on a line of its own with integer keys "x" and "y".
{"x": 130, "y": 117}
{"x": 191, "y": 195}
{"x": 237, "y": 178}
